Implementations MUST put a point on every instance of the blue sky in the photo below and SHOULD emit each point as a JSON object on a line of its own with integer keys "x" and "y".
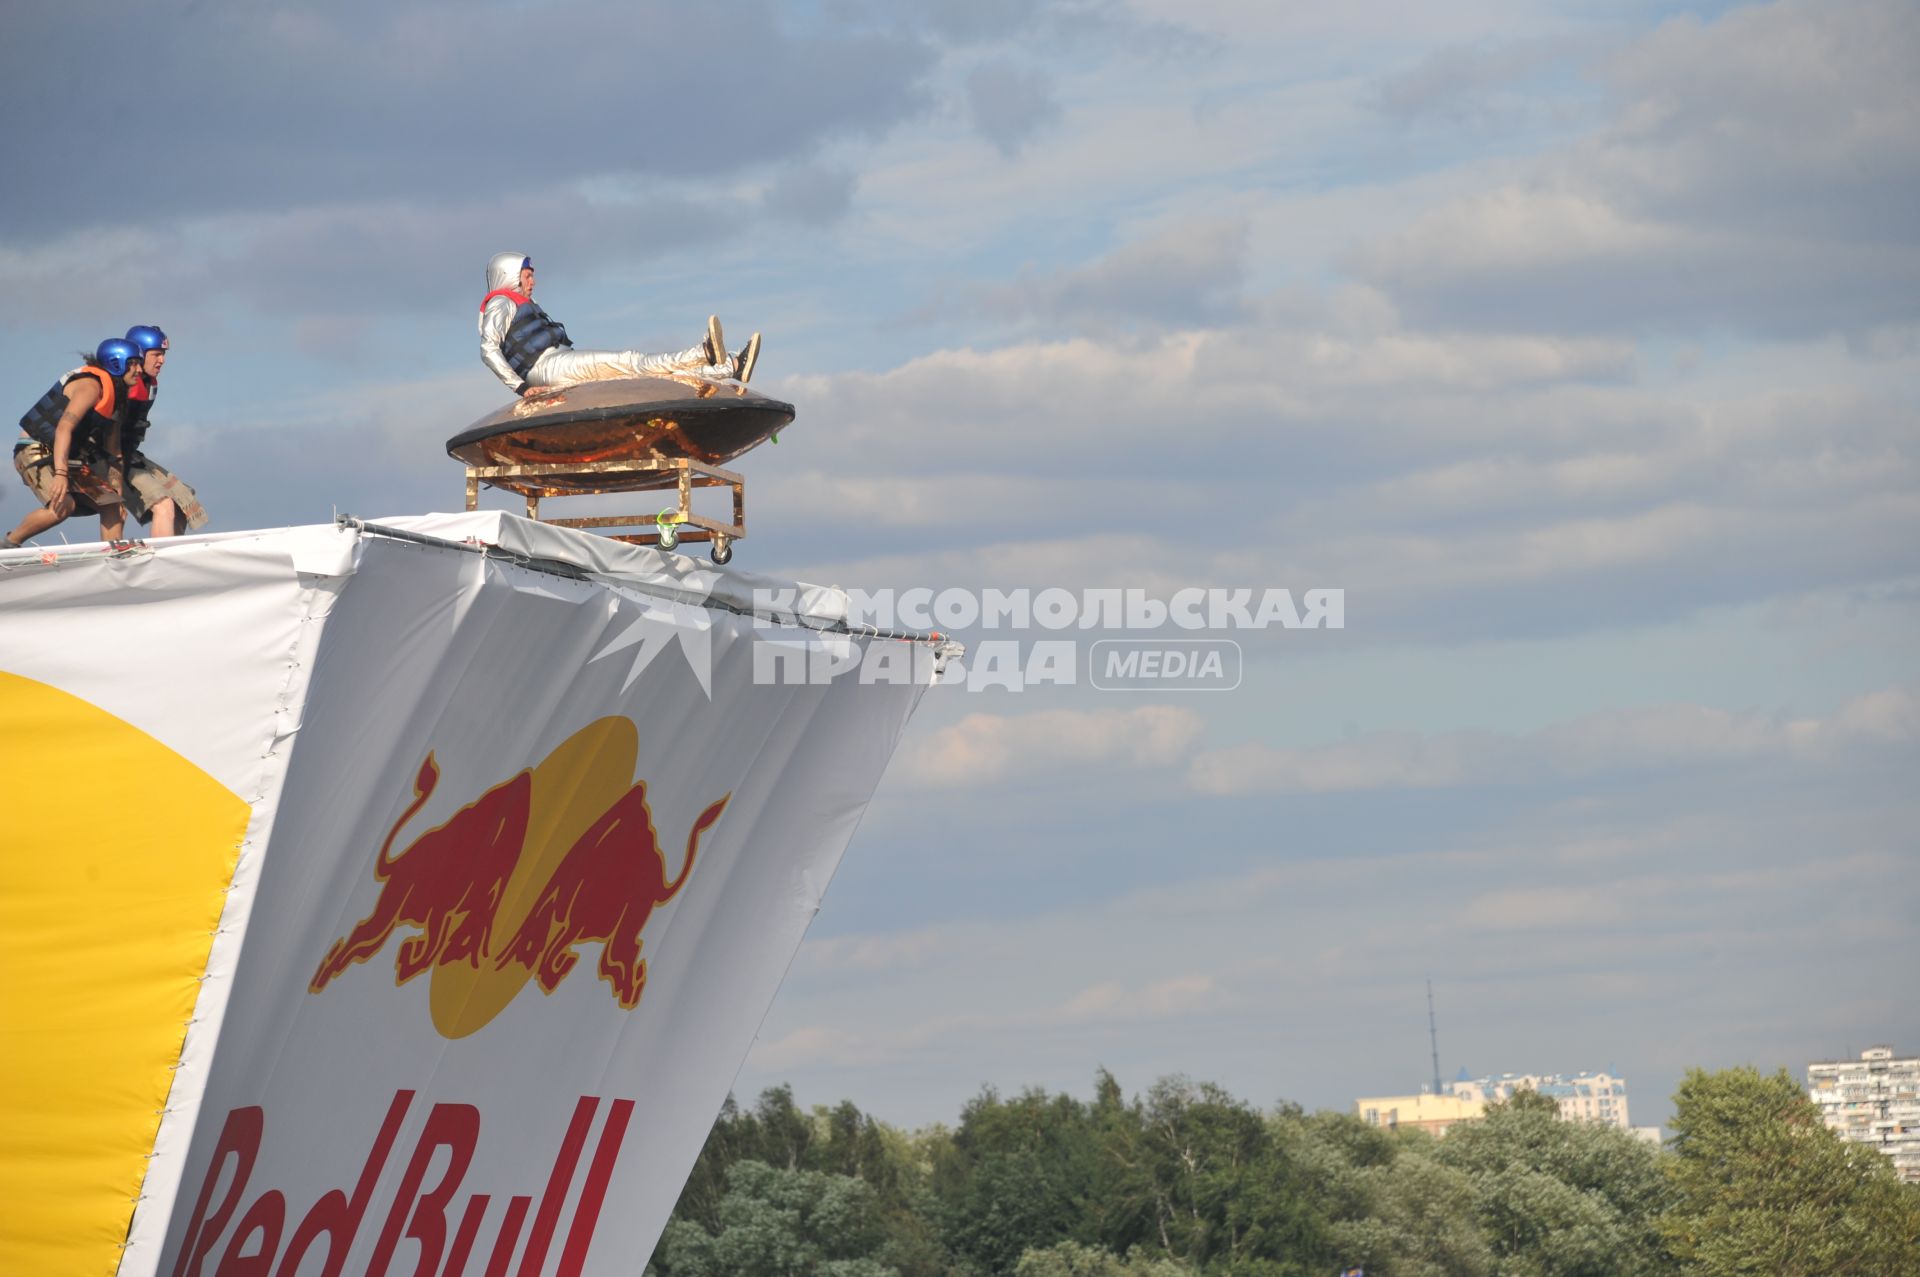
{"x": 1577, "y": 342}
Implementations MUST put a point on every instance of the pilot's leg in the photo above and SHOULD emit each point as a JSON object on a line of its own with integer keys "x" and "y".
{"x": 559, "y": 367}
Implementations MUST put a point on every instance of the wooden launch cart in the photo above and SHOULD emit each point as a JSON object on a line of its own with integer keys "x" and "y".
{"x": 631, "y": 436}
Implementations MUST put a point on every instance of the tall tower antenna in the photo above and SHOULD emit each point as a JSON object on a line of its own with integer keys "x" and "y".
{"x": 1433, "y": 1036}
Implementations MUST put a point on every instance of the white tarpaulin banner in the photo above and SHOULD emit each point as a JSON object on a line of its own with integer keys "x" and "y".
{"x": 526, "y": 856}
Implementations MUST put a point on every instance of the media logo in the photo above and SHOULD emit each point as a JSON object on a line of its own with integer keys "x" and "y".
{"x": 1157, "y": 665}
{"x": 562, "y": 854}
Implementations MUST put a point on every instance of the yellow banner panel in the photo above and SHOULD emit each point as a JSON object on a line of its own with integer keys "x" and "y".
{"x": 115, "y": 857}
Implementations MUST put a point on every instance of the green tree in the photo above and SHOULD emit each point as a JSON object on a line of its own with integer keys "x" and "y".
{"x": 776, "y": 1222}
{"x": 775, "y": 1131}
{"x": 1411, "y": 1217}
{"x": 1764, "y": 1187}
{"x": 1071, "y": 1259}
{"x": 1016, "y": 1177}
{"x": 839, "y": 1141}
{"x": 1561, "y": 1199}
{"x": 1204, "y": 1179}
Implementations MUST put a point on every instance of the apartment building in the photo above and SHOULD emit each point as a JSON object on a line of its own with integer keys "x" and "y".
{"x": 1873, "y": 1100}
{"x": 1583, "y": 1097}
{"x": 1430, "y": 1113}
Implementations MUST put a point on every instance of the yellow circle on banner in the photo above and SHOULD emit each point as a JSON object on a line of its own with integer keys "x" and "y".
{"x": 572, "y": 788}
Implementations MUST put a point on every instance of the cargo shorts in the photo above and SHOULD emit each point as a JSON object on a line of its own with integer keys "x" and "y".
{"x": 149, "y": 483}
{"x": 89, "y": 487}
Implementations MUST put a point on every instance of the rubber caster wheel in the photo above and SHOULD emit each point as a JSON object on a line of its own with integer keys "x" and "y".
{"x": 669, "y": 537}
{"x": 721, "y": 551}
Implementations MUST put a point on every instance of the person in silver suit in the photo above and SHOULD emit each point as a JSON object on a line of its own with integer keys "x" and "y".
{"x": 529, "y": 351}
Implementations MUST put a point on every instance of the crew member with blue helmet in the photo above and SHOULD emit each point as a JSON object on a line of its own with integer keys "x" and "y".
{"x": 155, "y": 495}
{"x": 528, "y": 350}
{"x": 69, "y": 451}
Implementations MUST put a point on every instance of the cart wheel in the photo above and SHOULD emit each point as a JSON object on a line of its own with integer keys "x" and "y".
{"x": 668, "y": 523}
{"x": 722, "y": 550}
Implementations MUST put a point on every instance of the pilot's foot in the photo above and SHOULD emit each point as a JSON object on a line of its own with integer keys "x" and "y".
{"x": 715, "y": 344}
{"x": 749, "y": 356}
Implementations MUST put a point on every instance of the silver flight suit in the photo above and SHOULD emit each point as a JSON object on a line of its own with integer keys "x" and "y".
{"x": 562, "y": 366}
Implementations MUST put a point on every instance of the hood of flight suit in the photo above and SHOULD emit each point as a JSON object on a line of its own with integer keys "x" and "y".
{"x": 503, "y": 271}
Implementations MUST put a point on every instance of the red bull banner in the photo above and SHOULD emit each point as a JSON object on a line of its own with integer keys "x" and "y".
{"x": 418, "y": 892}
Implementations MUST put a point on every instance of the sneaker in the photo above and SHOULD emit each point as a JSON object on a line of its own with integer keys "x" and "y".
{"x": 715, "y": 344}
{"x": 749, "y": 356}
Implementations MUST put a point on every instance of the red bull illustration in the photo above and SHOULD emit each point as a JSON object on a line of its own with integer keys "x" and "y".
{"x": 561, "y": 854}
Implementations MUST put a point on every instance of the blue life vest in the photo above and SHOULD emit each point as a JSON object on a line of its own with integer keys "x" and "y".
{"x": 531, "y": 332}
{"x": 42, "y": 421}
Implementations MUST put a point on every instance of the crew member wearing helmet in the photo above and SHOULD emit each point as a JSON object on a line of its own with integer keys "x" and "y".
{"x": 528, "y": 350}
{"x": 154, "y": 495}
{"x": 74, "y": 428}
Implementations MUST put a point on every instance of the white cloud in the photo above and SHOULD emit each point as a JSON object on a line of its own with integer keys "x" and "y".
{"x": 1158, "y": 1000}
{"x": 1187, "y": 273}
{"x": 1796, "y": 115}
{"x": 1759, "y": 175}
{"x": 1395, "y": 761}
{"x": 1629, "y": 934}
{"x": 892, "y": 952}
{"x": 1648, "y": 738}
{"x": 1009, "y": 103}
{"x": 984, "y": 749}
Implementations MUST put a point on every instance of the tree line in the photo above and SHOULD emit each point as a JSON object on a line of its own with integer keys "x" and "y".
{"x": 1188, "y": 1181}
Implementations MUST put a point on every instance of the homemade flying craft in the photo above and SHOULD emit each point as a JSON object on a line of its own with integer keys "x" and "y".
{"x": 631, "y": 435}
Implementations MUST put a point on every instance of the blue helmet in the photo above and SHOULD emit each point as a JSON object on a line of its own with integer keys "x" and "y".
{"x": 117, "y": 355}
{"x": 147, "y": 337}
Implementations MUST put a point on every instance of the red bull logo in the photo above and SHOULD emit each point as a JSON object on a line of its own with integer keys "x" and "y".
{"x": 503, "y": 893}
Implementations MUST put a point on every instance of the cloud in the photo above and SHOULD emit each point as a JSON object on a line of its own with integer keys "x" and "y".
{"x": 1644, "y": 740}
{"x": 1009, "y": 103}
{"x": 249, "y": 108}
{"x": 321, "y": 260}
{"x": 984, "y": 749}
{"x": 1395, "y": 761}
{"x": 1249, "y": 394}
{"x": 1189, "y": 274}
{"x": 1671, "y": 929}
{"x": 1108, "y": 1003}
{"x": 1552, "y": 260}
{"x": 811, "y": 195}
{"x": 1075, "y": 25}
{"x": 1474, "y": 82}
{"x": 1173, "y": 997}
{"x": 1455, "y": 484}
{"x": 893, "y": 952}
{"x": 809, "y": 1046}
{"x": 1757, "y": 176}
{"x": 1795, "y": 117}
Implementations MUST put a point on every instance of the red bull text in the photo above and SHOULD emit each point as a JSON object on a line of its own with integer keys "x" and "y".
{"x": 449, "y": 1234}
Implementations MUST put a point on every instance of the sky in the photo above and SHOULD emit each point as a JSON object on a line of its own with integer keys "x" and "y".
{"x": 1577, "y": 343}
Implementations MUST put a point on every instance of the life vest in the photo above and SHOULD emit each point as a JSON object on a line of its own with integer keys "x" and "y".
{"x": 42, "y": 421}
{"x": 133, "y": 422}
{"x": 531, "y": 332}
